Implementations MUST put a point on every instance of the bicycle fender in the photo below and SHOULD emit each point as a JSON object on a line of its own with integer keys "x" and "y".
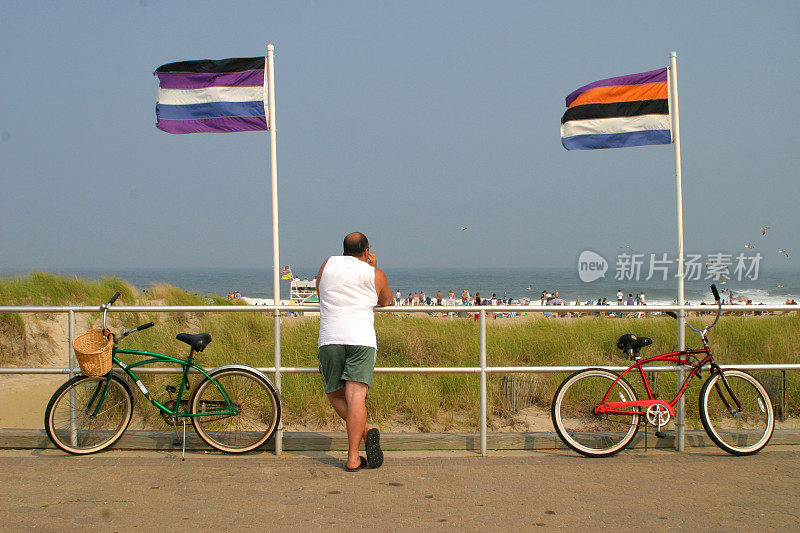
{"x": 243, "y": 367}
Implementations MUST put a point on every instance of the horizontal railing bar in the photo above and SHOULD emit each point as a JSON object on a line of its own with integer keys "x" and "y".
{"x": 427, "y": 370}
{"x": 647, "y": 368}
{"x": 21, "y": 370}
{"x": 710, "y": 309}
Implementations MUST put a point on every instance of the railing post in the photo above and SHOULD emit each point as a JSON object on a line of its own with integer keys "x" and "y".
{"x": 73, "y": 415}
{"x": 680, "y": 409}
{"x": 482, "y": 341}
{"x": 71, "y": 337}
{"x": 783, "y": 396}
{"x": 277, "y": 360}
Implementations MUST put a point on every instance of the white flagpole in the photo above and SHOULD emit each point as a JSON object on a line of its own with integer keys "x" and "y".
{"x": 269, "y": 88}
{"x": 680, "y": 422}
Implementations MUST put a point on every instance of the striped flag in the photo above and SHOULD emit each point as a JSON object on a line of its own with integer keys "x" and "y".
{"x": 628, "y": 110}
{"x": 219, "y": 96}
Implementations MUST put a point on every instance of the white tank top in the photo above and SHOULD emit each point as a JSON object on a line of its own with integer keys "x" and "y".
{"x": 347, "y": 297}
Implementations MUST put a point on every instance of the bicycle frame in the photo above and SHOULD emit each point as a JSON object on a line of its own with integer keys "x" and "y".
{"x": 680, "y": 358}
{"x": 153, "y": 357}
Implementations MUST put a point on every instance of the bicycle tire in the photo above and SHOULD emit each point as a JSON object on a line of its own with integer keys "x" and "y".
{"x": 253, "y": 394}
{"x": 576, "y": 423}
{"x": 743, "y": 433}
{"x": 83, "y": 433}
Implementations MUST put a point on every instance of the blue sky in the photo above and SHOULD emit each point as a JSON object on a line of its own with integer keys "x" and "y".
{"x": 404, "y": 120}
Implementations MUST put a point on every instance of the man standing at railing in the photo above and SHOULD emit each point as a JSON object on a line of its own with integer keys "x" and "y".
{"x": 349, "y": 287}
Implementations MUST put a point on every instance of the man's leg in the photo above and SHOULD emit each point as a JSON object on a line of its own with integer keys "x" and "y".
{"x": 339, "y": 403}
{"x": 355, "y": 394}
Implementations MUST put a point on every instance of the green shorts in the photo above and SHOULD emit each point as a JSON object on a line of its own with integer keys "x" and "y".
{"x": 339, "y": 363}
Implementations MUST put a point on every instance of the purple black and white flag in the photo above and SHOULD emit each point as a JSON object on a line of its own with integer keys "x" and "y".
{"x": 211, "y": 96}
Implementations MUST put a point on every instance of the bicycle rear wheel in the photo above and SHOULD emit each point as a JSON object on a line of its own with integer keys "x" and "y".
{"x": 252, "y": 395}
{"x": 588, "y": 433}
{"x": 738, "y": 432}
{"x": 70, "y": 418}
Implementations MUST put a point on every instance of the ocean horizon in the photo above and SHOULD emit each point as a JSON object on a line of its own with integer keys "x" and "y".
{"x": 770, "y": 287}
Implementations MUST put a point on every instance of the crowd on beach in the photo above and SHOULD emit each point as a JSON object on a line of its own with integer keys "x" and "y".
{"x": 420, "y": 298}
{"x": 547, "y": 298}
{"x": 466, "y": 298}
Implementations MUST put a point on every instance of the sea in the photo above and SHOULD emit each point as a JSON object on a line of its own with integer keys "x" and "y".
{"x": 771, "y": 287}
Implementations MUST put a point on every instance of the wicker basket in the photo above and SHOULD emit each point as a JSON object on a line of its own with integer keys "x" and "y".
{"x": 93, "y": 350}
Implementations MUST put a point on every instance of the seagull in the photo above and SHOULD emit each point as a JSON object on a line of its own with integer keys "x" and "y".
{"x": 750, "y": 276}
{"x": 784, "y": 252}
{"x": 463, "y": 228}
{"x": 628, "y": 246}
{"x": 780, "y": 285}
{"x": 749, "y": 245}
{"x": 529, "y": 287}
{"x": 764, "y": 230}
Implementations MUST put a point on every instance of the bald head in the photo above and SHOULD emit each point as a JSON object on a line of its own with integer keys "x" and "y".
{"x": 355, "y": 244}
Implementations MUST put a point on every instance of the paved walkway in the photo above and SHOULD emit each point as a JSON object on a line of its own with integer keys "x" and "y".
{"x": 703, "y": 489}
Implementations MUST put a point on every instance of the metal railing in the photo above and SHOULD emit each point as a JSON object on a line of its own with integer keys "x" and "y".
{"x": 483, "y": 368}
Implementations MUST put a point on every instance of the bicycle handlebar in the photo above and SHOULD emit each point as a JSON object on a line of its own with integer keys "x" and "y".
{"x": 104, "y": 307}
{"x": 124, "y": 333}
{"x": 716, "y": 318}
{"x": 714, "y": 291}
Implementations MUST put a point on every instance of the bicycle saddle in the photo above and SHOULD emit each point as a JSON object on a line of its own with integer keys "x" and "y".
{"x": 198, "y": 341}
{"x": 629, "y": 342}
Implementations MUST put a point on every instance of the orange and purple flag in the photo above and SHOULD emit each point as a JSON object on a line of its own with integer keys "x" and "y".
{"x": 616, "y": 112}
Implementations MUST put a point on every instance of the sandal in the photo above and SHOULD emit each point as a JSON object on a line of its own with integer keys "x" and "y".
{"x": 373, "y": 448}
{"x": 363, "y": 464}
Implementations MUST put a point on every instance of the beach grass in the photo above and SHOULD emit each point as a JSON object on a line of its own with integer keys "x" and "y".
{"x": 423, "y": 402}
{"x": 42, "y": 288}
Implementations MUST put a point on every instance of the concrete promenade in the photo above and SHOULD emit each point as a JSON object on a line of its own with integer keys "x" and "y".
{"x": 117, "y": 490}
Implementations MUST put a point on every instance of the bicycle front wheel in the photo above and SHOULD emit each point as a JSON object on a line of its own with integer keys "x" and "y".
{"x": 588, "y": 433}
{"x": 253, "y": 398}
{"x": 83, "y": 416}
{"x": 737, "y": 431}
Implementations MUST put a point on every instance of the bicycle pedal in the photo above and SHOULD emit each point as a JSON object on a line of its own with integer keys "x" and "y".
{"x": 660, "y": 434}
{"x": 177, "y": 442}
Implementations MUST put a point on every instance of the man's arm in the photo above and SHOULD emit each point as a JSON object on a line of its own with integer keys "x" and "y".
{"x": 319, "y": 274}
{"x": 382, "y": 288}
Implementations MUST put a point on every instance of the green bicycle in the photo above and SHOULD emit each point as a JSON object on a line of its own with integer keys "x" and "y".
{"x": 234, "y": 408}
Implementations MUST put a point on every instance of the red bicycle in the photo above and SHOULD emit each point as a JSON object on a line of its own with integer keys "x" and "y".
{"x": 597, "y": 413}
